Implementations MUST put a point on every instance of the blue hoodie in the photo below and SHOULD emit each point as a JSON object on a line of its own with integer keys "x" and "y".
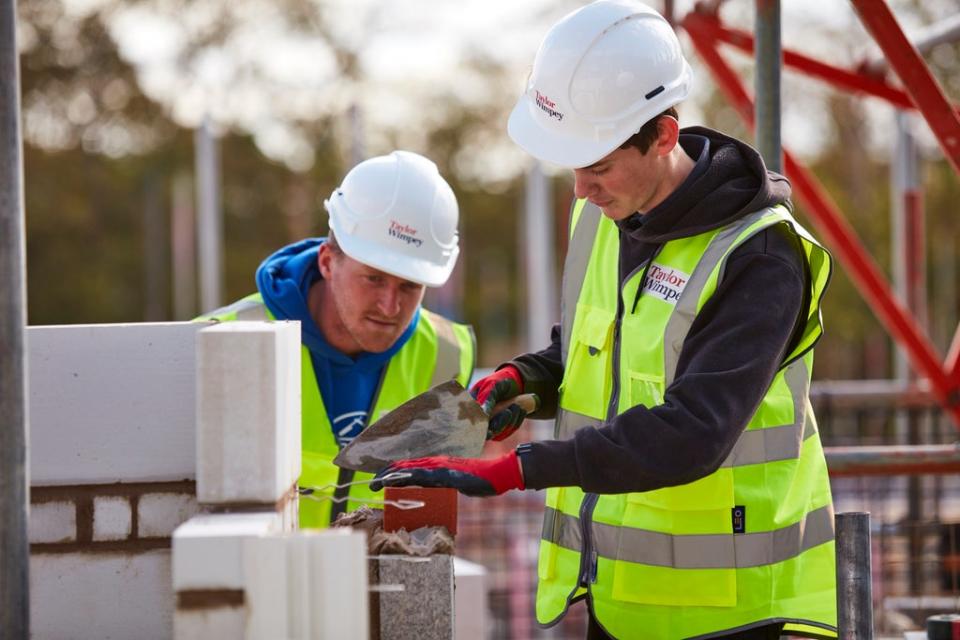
{"x": 347, "y": 384}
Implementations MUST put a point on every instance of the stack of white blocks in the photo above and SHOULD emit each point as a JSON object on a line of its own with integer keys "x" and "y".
{"x": 111, "y": 473}
{"x": 248, "y": 575}
{"x": 248, "y": 412}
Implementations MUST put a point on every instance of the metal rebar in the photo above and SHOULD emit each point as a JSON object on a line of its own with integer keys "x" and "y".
{"x": 768, "y": 58}
{"x": 854, "y": 603}
{"x": 14, "y": 545}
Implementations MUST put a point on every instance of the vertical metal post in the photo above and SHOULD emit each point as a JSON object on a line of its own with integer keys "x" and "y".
{"x": 358, "y": 147}
{"x": 768, "y": 56}
{"x": 854, "y": 596}
{"x": 909, "y": 275}
{"x": 542, "y": 309}
{"x": 209, "y": 218}
{"x": 154, "y": 252}
{"x": 183, "y": 240}
{"x": 14, "y": 488}
{"x": 908, "y": 225}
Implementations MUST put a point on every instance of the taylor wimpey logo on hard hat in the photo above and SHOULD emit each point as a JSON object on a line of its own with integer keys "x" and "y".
{"x": 548, "y": 105}
{"x": 665, "y": 283}
{"x": 404, "y": 232}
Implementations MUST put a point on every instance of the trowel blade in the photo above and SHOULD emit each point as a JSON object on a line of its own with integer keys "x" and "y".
{"x": 445, "y": 420}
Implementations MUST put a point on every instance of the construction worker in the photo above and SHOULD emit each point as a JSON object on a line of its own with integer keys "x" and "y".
{"x": 688, "y": 494}
{"x": 367, "y": 344}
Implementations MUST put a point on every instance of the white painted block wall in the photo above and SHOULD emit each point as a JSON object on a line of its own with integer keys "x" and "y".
{"x": 113, "y": 458}
{"x": 108, "y": 404}
{"x": 108, "y": 597}
{"x": 112, "y": 403}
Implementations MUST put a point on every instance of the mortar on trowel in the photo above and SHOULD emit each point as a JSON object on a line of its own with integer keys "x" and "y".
{"x": 443, "y": 421}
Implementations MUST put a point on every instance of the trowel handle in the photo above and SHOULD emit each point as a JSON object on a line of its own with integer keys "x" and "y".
{"x": 527, "y": 401}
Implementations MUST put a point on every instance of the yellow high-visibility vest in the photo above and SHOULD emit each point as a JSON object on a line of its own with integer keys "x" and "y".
{"x": 671, "y": 563}
{"x": 438, "y": 350}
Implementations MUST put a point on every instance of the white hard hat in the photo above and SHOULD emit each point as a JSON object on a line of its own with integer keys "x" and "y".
{"x": 397, "y": 214}
{"x": 600, "y": 74}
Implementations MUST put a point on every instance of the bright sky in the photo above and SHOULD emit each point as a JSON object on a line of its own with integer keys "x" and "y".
{"x": 412, "y": 52}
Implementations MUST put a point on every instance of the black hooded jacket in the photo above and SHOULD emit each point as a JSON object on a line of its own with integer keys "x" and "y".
{"x": 734, "y": 349}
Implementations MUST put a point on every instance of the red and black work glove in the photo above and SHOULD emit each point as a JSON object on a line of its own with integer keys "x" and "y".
{"x": 500, "y": 385}
{"x": 469, "y": 476}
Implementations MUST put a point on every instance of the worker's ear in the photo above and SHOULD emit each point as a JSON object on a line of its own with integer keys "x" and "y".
{"x": 324, "y": 259}
{"x": 668, "y": 134}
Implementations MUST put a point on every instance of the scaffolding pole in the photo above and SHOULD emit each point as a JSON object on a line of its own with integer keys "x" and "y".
{"x": 14, "y": 545}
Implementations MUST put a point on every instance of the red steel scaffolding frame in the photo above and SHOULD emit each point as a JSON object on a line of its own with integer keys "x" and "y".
{"x": 922, "y": 93}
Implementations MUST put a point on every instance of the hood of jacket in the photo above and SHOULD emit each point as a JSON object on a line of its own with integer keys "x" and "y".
{"x": 729, "y": 181}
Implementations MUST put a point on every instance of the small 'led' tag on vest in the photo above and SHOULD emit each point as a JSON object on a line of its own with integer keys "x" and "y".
{"x": 665, "y": 283}
{"x": 739, "y": 517}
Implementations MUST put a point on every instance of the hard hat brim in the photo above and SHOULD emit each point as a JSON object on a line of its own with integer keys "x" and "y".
{"x": 574, "y": 151}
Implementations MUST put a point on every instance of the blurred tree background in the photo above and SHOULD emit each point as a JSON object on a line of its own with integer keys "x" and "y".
{"x": 109, "y": 156}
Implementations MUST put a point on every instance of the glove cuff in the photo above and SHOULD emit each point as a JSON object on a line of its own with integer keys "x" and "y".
{"x": 506, "y": 473}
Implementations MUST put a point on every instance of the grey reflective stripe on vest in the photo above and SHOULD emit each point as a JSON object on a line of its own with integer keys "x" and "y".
{"x": 755, "y": 446}
{"x": 695, "y": 551}
{"x": 678, "y": 326}
{"x": 244, "y": 309}
{"x": 783, "y": 442}
{"x": 575, "y": 270}
{"x": 448, "y": 351}
{"x": 569, "y": 421}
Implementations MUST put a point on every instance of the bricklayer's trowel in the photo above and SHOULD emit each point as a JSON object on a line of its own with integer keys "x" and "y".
{"x": 444, "y": 421}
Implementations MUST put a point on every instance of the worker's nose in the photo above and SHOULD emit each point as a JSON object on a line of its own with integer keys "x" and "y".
{"x": 389, "y": 302}
{"x": 583, "y": 184}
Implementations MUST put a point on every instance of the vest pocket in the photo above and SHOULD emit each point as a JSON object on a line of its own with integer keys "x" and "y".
{"x": 666, "y": 587}
{"x": 589, "y": 363}
{"x": 645, "y": 389}
{"x": 676, "y": 545}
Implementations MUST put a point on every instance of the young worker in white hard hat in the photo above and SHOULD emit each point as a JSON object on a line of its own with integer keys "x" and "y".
{"x": 688, "y": 494}
{"x": 368, "y": 345}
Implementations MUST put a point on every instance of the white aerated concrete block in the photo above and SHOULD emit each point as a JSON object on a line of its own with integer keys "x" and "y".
{"x": 112, "y": 402}
{"x": 112, "y": 518}
{"x": 158, "y": 514}
{"x": 469, "y": 600}
{"x": 248, "y": 411}
{"x": 53, "y": 522}
{"x": 327, "y": 586}
{"x": 265, "y": 569}
{"x": 109, "y": 595}
{"x": 208, "y": 549}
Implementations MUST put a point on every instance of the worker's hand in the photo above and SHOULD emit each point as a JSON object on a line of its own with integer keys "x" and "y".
{"x": 470, "y": 476}
{"x": 509, "y": 418}
{"x": 500, "y": 385}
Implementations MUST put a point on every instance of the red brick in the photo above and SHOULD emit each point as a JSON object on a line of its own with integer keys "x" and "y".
{"x": 439, "y": 510}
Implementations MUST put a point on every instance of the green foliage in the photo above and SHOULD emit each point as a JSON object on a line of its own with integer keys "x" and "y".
{"x": 102, "y": 159}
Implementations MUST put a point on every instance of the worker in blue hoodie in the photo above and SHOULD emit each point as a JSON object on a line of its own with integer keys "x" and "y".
{"x": 367, "y": 343}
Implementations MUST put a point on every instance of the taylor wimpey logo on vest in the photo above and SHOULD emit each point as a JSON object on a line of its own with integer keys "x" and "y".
{"x": 548, "y": 105}
{"x": 404, "y": 232}
{"x": 665, "y": 283}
